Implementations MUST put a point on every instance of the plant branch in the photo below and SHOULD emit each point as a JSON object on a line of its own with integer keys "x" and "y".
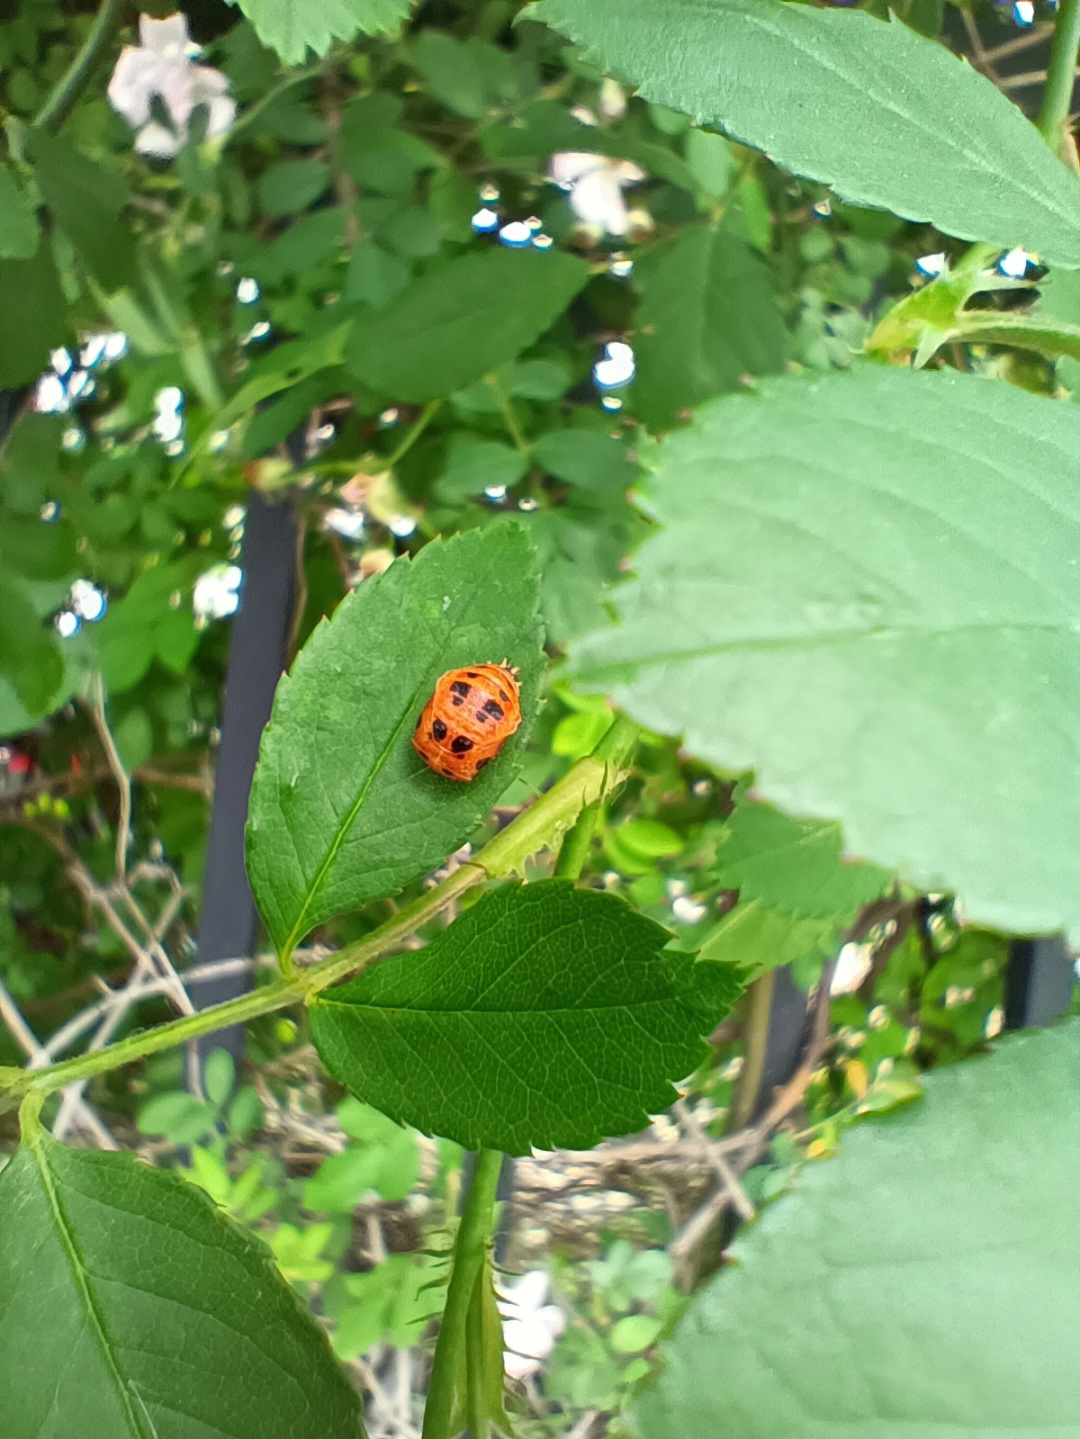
{"x": 536, "y": 828}
{"x": 474, "y": 1231}
{"x": 95, "y": 708}
{"x": 1060, "y": 78}
{"x": 71, "y": 84}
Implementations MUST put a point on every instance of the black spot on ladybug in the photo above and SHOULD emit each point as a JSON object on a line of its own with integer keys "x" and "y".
{"x": 459, "y": 687}
{"x": 438, "y": 730}
{"x": 462, "y": 744}
{"x": 492, "y": 708}
{"x": 480, "y": 763}
{"x": 504, "y": 697}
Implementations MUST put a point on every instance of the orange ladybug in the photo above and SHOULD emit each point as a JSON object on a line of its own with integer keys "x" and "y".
{"x": 466, "y": 722}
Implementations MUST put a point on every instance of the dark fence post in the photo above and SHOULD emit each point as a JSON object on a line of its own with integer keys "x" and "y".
{"x": 1038, "y": 982}
{"x": 229, "y": 924}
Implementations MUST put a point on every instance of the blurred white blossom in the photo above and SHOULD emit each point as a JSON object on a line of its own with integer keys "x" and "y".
{"x": 530, "y": 1325}
{"x": 163, "y": 64}
{"x": 595, "y": 184}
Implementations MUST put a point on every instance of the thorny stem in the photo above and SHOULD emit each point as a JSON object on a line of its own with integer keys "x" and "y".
{"x": 536, "y": 828}
{"x": 71, "y": 84}
{"x": 474, "y": 1231}
{"x": 1060, "y": 78}
{"x": 575, "y": 847}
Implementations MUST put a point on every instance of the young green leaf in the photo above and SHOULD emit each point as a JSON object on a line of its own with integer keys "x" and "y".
{"x": 864, "y": 589}
{"x": 924, "y": 1279}
{"x": 130, "y": 1306}
{"x": 462, "y": 319}
{"x": 544, "y": 1016}
{"x": 793, "y": 865}
{"x": 343, "y": 809}
{"x": 707, "y": 316}
{"x": 899, "y": 122}
{"x": 292, "y": 30}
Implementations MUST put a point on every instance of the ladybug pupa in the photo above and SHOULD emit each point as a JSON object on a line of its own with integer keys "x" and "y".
{"x": 468, "y": 719}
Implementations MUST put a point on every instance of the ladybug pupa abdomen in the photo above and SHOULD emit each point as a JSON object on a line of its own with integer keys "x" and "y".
{"x": 469, "y": 717}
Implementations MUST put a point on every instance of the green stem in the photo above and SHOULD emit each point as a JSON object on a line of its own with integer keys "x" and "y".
{"x": 425, "y": 417}
{"x": 475, "y": 1361}
{"x": 533, "y": 830}
{"x": 759, "y": 998}
{"x": 574, "y": 850}
{"x": 296, "y": 77}
{"x": 513, "y": 428}
{"x": 73, "y": 81}
{"x": 1057, "y": 92}
{"x": 474, "y": 1232}
{"x": 163, "y": 1036}
{"x": 575, "y": 847}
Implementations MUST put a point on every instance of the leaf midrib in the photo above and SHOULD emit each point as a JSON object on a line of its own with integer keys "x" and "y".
{"x": 345, "y": 824}
{"x": 568, "y": 1010}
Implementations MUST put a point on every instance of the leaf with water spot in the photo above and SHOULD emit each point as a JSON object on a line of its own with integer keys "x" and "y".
{"x": 343, "y": 810}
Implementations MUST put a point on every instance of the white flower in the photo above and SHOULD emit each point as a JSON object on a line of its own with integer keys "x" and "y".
{"x": 596, "y": 183}
{"x": 530, "y": 1327}
{"x": 163, "y": 65}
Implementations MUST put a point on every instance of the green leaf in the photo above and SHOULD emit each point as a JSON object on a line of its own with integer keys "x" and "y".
{"x": 30, "y": 462}
{"x": 374, "y": 275}
{"x": 707, "y": 316}
{"x": 592, "y": 460}
{"x": 292, "y": 30}
{"x": 33, "y": 316}
{"x": 179, "y": 1116}
{"x": 757, "y": 938}
{"x": 219, "y": 1076}
{"x": 87, "y": 201}
{"x": 19, "y": 228}
{"x": 922, "y": 1280}
{"x": 343, "y": 810}
{"x": 152, "y": 621}
{"x": 145, "y": 1312}
{"x": 38, "y": 551}
{"x": 545, "y": 1016}
{"x": 29, "y": 654}
{"x": 474, "y": 465}
{"x": 874, "y": 575}
{"x": 291, "y": 186}
{"x": 462, "y": 319}
{"x": 792, "y": 865}
{"x": 911, "y": 128}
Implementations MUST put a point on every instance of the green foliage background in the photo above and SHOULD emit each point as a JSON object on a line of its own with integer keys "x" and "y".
{"x": 816, "y": 542}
